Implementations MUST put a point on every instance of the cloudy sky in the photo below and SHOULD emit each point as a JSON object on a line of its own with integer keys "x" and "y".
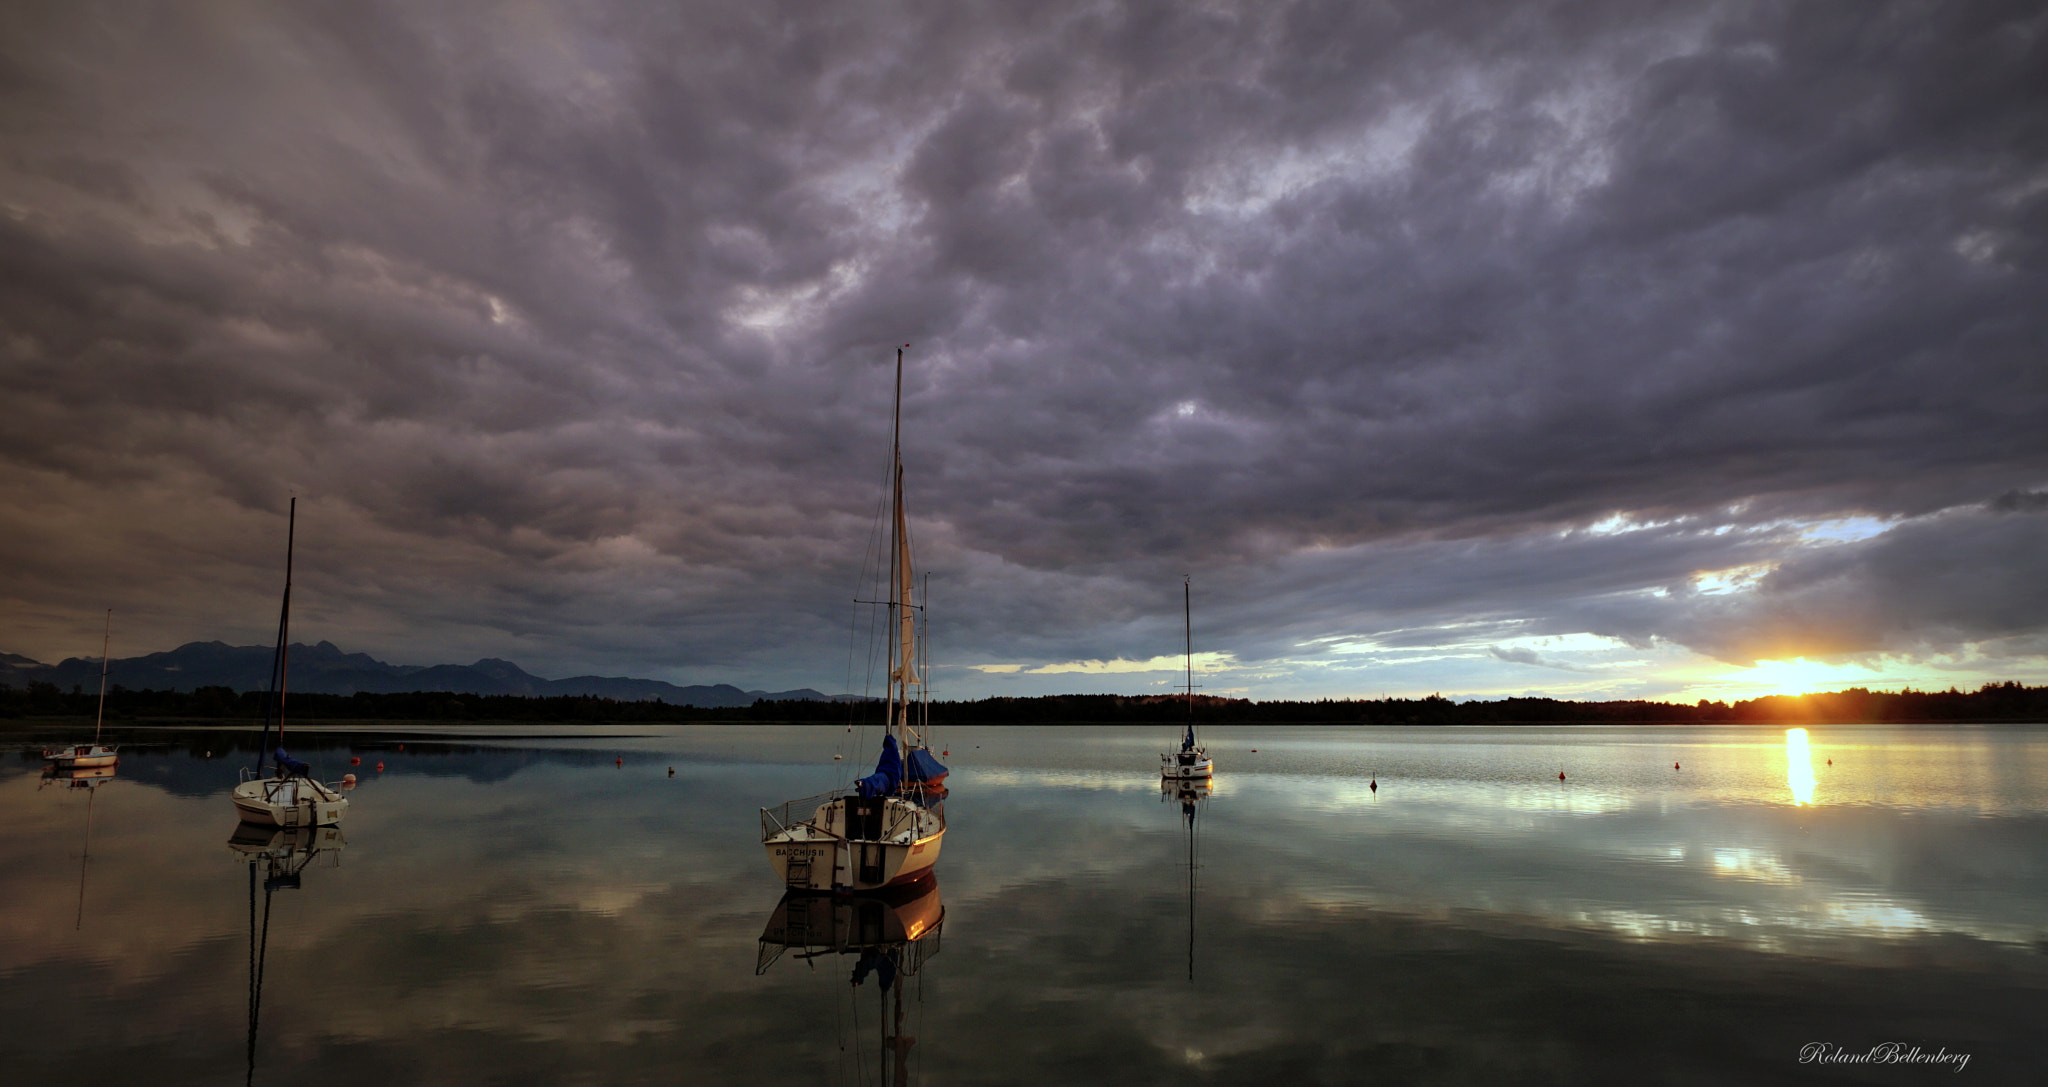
{"x": 1586, "y": 349}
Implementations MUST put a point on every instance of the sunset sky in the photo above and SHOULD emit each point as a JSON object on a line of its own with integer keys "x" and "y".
{"x": 1595, "y": 350}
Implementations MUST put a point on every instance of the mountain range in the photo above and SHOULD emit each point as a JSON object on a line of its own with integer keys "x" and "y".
{"x": 325, "y": 669}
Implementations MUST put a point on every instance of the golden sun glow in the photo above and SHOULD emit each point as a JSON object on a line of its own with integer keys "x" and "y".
{"x": 1785, "y": 677}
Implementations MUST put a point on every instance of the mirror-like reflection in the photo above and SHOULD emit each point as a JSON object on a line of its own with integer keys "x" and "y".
{"x": 890, "y": 935}
{"x": 1192, "y": 794}
{"x": 282, "y": 854}
{"x": 578, "y": 915}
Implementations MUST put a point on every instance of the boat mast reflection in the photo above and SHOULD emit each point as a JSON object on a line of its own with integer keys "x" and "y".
{"x": 890, "y": 935}
{"x": 284, "y": 854}
{"x": 1193, "y": 796}
{"x": 91, "y": 779}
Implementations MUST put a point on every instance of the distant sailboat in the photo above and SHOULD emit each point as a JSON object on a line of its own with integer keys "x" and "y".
{"x": 889, "y": 828}
{"x": 1192, "y": 760}
{"x": 80, "y": 756}
{"x": 288, "y": 797}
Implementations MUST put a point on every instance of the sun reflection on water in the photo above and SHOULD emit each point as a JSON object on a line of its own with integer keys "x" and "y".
{"x": 1798, "y": 766}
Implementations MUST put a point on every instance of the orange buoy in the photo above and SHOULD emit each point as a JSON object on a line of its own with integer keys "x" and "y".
{"x": 401, "y": 747}
{"x": 1560, "y": 775}
{"x": 621, "y": 760}
{"x": 355, "y": 760}
{"x": 1831, "y": 762}
{"x": 1674, "y": 766}
{"x": 380, "y": 767}
{"x": 945, "y": 754}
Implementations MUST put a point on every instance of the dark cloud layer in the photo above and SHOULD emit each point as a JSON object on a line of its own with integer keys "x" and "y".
{"x": 572, "y": 327}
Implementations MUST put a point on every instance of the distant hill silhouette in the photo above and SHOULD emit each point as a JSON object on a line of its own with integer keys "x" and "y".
{"x": 325, "y": 669}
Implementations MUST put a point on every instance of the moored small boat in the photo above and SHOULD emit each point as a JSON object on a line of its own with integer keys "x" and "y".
{"x": 888, "y": 829}
{"x": 76, "y": 756}
{"x": 287, "y": 797}
{"x": 1192, "y": 761}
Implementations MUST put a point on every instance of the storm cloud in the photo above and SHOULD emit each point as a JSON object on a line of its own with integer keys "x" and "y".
{"x": 1410, "y": 330}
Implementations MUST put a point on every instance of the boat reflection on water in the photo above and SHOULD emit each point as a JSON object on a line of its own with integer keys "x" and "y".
{"x": 283, "y": 854}
{"x": 889, "y": 935}
{"x": 1193, "y": 796}
{"x": 91, "y": 779}
{"x": 77, "y": 777}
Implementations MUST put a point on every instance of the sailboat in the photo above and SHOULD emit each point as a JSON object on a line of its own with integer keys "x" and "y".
{"x": 288, "y": 797}
{"x": 1192, "y": 760}
{"x": 888, "y": 829}
{"x": 80, "y": 756}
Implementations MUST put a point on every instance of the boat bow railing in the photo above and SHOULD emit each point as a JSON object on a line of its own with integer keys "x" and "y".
{"x": 794, "y": 813}
{"x": 896, "y": 818}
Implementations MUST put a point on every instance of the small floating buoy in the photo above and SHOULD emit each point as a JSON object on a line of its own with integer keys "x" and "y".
{"x": 945, "y": 754}
{"x": 380, "y": 766}
{"x": 348, "y": 781}
{"x": 621, "y": 760}
{"x": 1255, "y": 750}
{"x": 1560, "y": 775}
{"x": 1831, "y": 762}
{"x": 671, "y": 771}
{"x": 355, "y": 760}
{"x": 1375, "y": 785}
{"x": 401, "y": 747}
{"x": 1674, "y": 766}
{"x": 836, "y": 758}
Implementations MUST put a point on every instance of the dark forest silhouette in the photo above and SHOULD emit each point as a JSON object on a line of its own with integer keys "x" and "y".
{"x": 1993, "y": 702}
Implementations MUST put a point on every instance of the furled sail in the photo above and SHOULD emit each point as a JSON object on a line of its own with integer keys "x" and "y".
{"x": 923, "y": 769}
{"x": 888, "y": 772}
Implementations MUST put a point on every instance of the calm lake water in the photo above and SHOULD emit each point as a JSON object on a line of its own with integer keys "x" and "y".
{"x": 523, "y": 908}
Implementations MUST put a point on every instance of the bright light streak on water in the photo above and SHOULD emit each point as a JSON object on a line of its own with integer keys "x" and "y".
{"x": 1798, "y": 766}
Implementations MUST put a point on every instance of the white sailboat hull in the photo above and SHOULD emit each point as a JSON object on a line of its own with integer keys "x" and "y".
{"x": 897, "y": 845}
{"x": 1175, "y": 768}
{"x": 289, "y": 802}
{"x": 81, "y": 755}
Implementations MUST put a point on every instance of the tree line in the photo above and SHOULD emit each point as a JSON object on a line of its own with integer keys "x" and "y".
{"x": 2007, "y": 701}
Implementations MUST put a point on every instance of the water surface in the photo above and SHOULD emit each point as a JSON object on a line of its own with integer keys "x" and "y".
{"x": 512, "y": 906}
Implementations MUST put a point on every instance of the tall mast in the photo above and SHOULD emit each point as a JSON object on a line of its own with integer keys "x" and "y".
{"x": 273, "y": 701}
{"x": 1188, "y": 631}
{"x": 903, "y": 639}
{"x": 106, "y": 640}
{"x": 897, "y": 665}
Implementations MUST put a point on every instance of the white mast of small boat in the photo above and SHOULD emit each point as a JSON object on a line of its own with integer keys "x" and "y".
{"x": 290, "y": 797}
{"x": 889, "y": 830}
{"x": 1192, "y": 760}
{"x": 93, "y": 754}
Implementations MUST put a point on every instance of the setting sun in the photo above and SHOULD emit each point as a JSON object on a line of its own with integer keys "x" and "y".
{"x": 1799, "y": 676}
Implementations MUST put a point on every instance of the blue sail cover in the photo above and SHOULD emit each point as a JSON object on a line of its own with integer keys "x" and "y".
{"x": 888, "y": 772}
{"x": 1188, "y": 742}
{"x": 924, "y": 768}
{"x": 291, "y": 765}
